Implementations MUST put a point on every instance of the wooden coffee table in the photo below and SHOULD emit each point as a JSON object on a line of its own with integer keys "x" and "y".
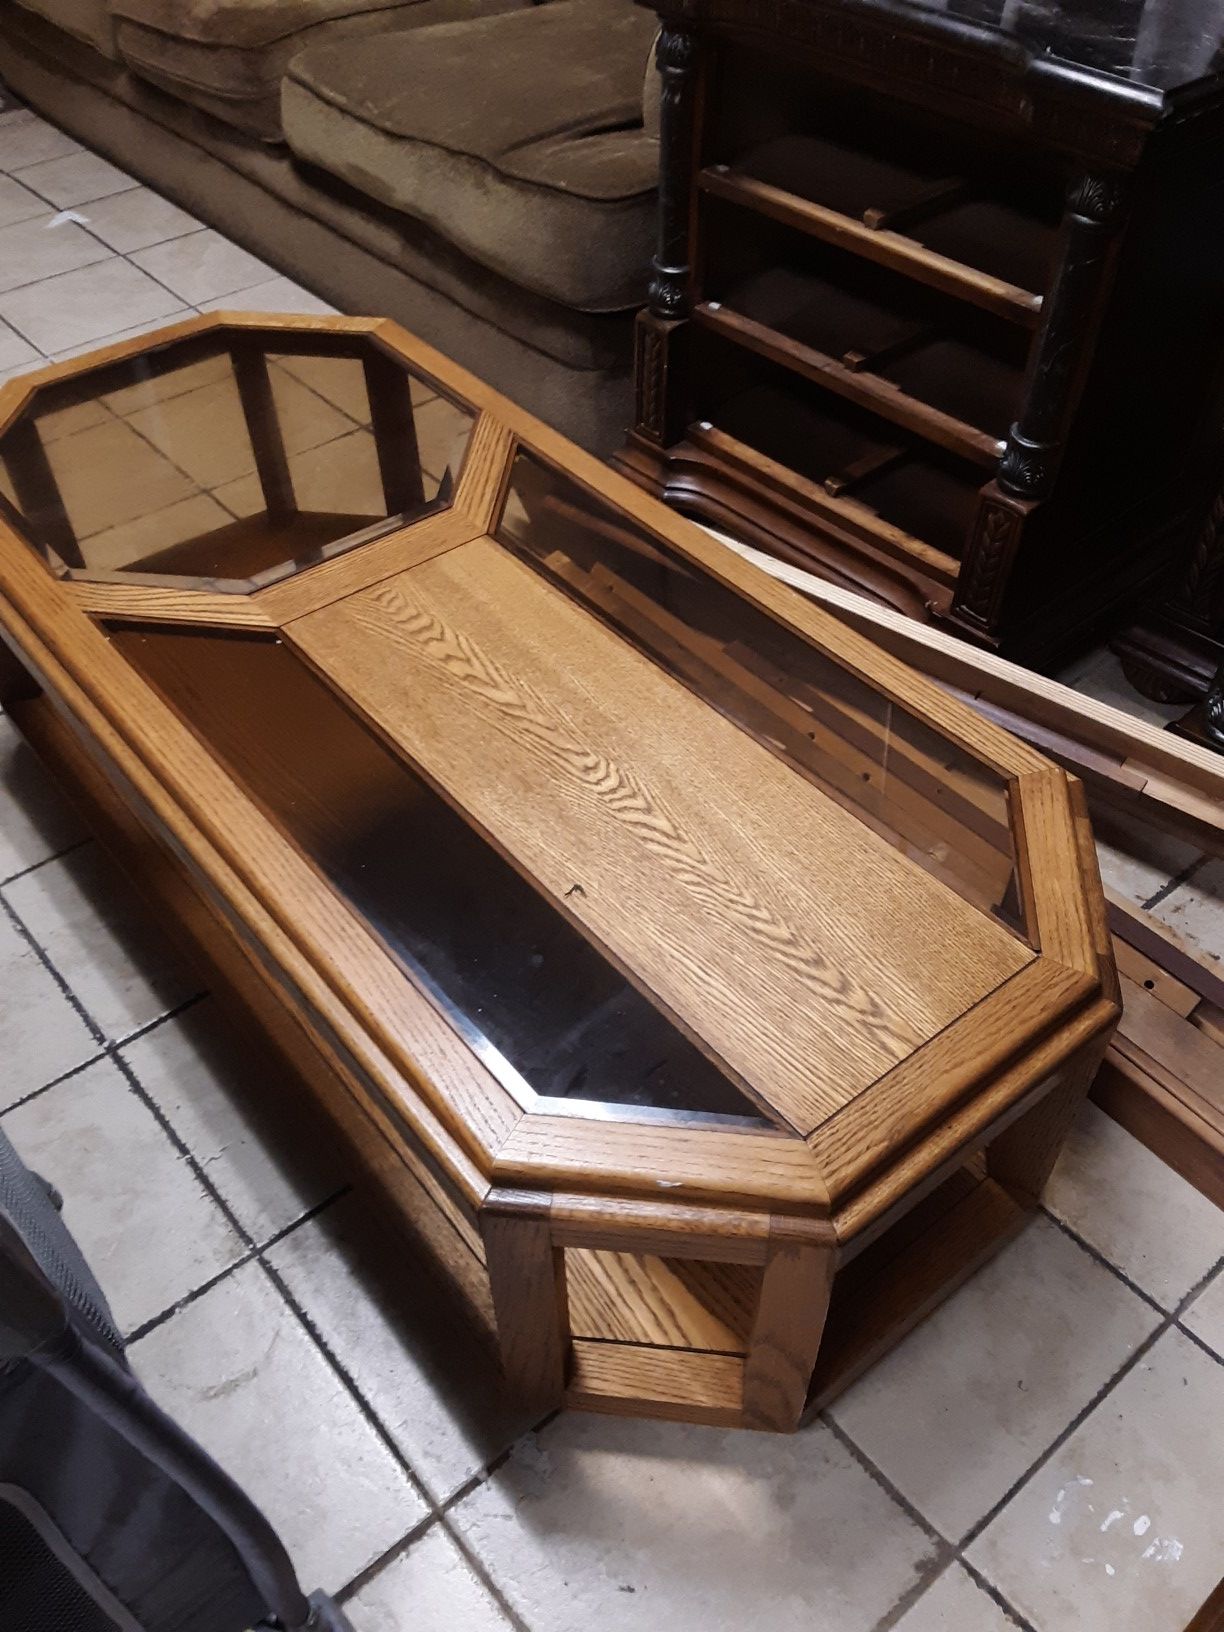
{"x": 711, "y": 993}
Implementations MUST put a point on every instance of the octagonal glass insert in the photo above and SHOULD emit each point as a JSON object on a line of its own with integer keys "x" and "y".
{"x": 229, "y": 459}
{"x": 941, "y": 805}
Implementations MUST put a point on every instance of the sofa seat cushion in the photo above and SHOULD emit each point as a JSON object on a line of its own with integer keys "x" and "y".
{"x": 229, "y": 56}
{"x": 88, "y": 20}
{"x": 518, "y": 137}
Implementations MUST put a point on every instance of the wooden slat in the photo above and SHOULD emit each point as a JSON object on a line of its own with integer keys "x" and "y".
{"x": 622, "y": 1379}
{"x": 1163, "y": 1080}
{"x": 800, "y": 493}
{"x": 881, "y": 246}
{"x": 1164, "y": 946}
{"x": 1170, "y": 776}
{"x": 859, "y": 386}
{"x": 662, "y": 830}
{"x": 1136, "y": 966}
{"x": 145, "y": 603}
{"x": 482, "y": 477}
{"x": 626, "y": 1158}
{"x": 680, "y": 1304}
{"x": 356, "y": 569}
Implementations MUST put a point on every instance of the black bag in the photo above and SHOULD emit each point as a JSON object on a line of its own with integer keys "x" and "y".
{"x": 111, "y": 1518}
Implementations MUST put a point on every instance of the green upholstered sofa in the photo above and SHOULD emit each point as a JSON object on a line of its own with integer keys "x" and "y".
{"x": 481, "y": 170}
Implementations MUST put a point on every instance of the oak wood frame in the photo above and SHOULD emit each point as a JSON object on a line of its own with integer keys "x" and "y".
{"x": 510, "y": 1186}
{"x": 1162, "y": 1076}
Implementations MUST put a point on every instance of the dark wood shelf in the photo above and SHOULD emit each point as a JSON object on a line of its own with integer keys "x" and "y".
{"x": 943, "y": 265}
{"x": 912, "y": 494}
{"x": 952, "y": 374}
{"x": 961, "y": 379}
{"x": 865, "y": 389}
{"x": 821, "y": 312}
{"x": 877, "y": 190}
{"x": 918, "y": 260}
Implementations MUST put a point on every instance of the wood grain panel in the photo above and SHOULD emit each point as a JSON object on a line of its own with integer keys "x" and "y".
{"x": 745, "y": 900}
{"x": 148, "y": 604}
{"x": 307, "y": 591}
{"x": 527, "y": 1275}
{"x": 623, "y": 1298}
{"x": 623, "y": 1379}
{"x": 785, "y": 1337}
{"x": 705, "y": 1162}
{"x": 667, "y": 1229}
{"x": 484, "y": 468}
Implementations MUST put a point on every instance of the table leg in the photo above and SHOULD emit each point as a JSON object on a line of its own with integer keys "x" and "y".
{"x": 789, "y": 1322}
{"x": 1023, "y": 1157}
{"x": 527, "y": 1275}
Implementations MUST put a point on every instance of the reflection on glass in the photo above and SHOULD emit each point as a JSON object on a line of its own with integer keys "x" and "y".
{"x": 228, "y": 460}
{"x": 537, "y": 1000}
{"x": 929, "y": 797}
{"x": 1162, "y": 43}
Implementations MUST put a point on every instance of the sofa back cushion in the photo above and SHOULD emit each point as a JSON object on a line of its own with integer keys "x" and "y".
{"x": 519, "y": 137}
{"x": 229, "y": 56}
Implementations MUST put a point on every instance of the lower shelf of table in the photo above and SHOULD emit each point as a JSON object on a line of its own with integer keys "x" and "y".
{"x": 669, "y": 1338}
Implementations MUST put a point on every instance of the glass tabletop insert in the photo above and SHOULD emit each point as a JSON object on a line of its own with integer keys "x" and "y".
{"x": 228, "y": 460}
{"x": 538, "y": 1002}
{"x": 936, "y": 802}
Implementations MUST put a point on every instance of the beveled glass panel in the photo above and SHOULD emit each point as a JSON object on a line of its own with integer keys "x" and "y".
{"x": 538, "y": 1002}
{"x": 930, "y": 797}
{"x": 228, "y": 460}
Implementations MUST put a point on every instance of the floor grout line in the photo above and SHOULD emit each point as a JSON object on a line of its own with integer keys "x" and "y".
{"x": 386, "y": 1559}
{"x": 1099, "y": 1257}
{"x": 24, "y": 872}
{"x": 256, "y": 1253}
{"x": 996, "y": 1597}
{"x": 956, "y": 1550}
{"x": 1077, "y": 1421}
{"x": 1175, "y": 883}
{"x": 248, "y": 1257}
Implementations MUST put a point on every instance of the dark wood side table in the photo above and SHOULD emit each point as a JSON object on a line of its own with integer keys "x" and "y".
{"x": 937, "y": 305}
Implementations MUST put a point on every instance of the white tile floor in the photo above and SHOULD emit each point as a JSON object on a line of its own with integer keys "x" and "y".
{"x": 1044, "y": 1453}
